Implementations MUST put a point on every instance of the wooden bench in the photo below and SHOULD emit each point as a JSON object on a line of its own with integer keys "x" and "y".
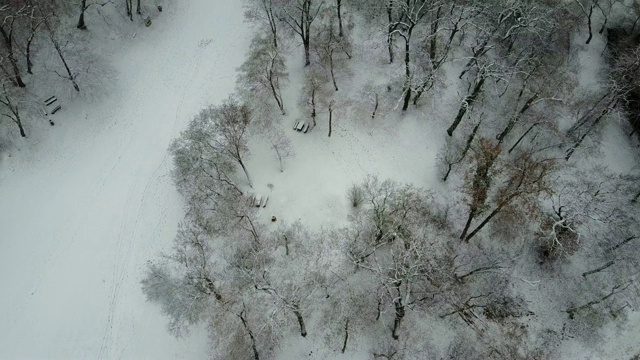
{"x": 51, "y": 102}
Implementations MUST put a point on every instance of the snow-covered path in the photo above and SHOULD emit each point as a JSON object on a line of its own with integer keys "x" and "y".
{"x": 81, "y": 218}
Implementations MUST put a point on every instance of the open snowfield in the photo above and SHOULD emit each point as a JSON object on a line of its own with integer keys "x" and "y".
{"x": 84, "y": 209}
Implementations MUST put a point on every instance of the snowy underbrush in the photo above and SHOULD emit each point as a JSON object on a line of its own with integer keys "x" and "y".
{"x": 454, "y": 205}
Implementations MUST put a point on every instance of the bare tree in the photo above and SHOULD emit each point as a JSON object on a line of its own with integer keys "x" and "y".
{"x": 479, "y": 183}
{"x": 454, "y": 151}
{"x": 526, "y": 177}
{"x": 230, "y": 121}
{"x": 11, "y": 109}
{"x": 281, "y": 145}
{"x": 11, "y": 16}
{"x": 411, "y": 13}
{"x": 265, "y": 12}
{"x": 263, "y": 71}
{"x": 299, "y": 15}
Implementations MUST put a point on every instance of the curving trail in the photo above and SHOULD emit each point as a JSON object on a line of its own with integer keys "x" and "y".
{"x": 95, "y": 201}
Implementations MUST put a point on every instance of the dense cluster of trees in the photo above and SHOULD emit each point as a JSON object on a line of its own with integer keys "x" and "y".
{"x": 519, "y": 204}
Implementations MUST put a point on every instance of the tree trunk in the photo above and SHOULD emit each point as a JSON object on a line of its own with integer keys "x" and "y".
{"x": 407, "y": 71}
{"x": 81, "y": 25}
{"x": 446, "y": 175}
{"x": 272, "y": 22}
{"x": 346, "y": 336}
{"x": 399, "y": 307}
{"x": 66, "y": 66}
{"x": 375, "y": 108}
{"x": 313, "y": 105}
{"x": 522, "y": 137}
{"x": 274, "y": 89}
{"x": 589, "y": 25}
{"x": 22, "y": 133}
{"x": 601, "y": 268}
{"x": 330, "y": 119}
{"x": 390, "y": 30}
{"x": 464, "y": 151}
{"x": 333, "y": 76}
{"x": 286, "y": 245}
{"x": 256, "y": 356}
{"x": 28, "y": 54}
{"x": 338, "y": 5}
{"x": 616, "y": 289}
{"x": 591, "y": 128}
{"x": 472, "y": 214}
{"x": 516, "y": 118}
{"x": 434, "y": 36}
{"x": 138, "y": 11}
{"x": 303, "y": 329}
{"x": 244, "y": 168}
{"x": 275, "y": 147}
{"x": 468, "y": 101}
{"x": 305, "y": 26}
{"x": 489, "y": 217}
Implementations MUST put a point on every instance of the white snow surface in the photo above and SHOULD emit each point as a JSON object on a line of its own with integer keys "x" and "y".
{"x": 83, "y": 209}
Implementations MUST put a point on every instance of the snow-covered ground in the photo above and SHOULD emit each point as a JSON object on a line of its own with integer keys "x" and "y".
{"x": 82, "y": 210}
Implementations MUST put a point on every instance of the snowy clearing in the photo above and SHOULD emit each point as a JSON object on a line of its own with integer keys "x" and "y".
{"x": 83, "y": 209}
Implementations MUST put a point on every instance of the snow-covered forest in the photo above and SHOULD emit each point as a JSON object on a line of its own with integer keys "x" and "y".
{"x": 357, "y": 179}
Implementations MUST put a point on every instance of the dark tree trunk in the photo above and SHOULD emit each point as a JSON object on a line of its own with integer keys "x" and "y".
{"x": 465, "y": 151}
{"x": 313, "y": 105}
{"x": 28, "y": 55}
{"x": 399, "y": 307}
{"x": 72, "y": 78}
{"x": 22, "y": 133}
{"x": 589, "y": 130}
{"x": 244, "y": 168}
{"x": 333, "y": 76}
{"x": 390, "y": 30}
{"x": 81, "y": 25}
{"x": 616, "y": 289}
{"x": 515, "y": 119}
{"x": 256, "y": 356}
{"x": 305, "y": 25}
{"x": 434, "y": 36}
{"x": 330, "y": 119}
{"x": 472, "y": 214}
{"x": 272, "y": 22}
{"x": 468, "y": 101}
{"x": 522, "y": 137}
{"x": 338, "y": 5}
{"x": 446, "y": 175}
{"x": 138, "y": 10}
{"x": 407, "y": 70}
{"x": 286, "y": 245}
{"x": 601, "y": 268}
{"x": 303, "y": 329}
{"x": 375, "y": 108}
{"x": 489, "y": 217}
{"x": 589, "y": 25}
{"x": 346, "y": 336}
{"x": 275, "y": 89}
